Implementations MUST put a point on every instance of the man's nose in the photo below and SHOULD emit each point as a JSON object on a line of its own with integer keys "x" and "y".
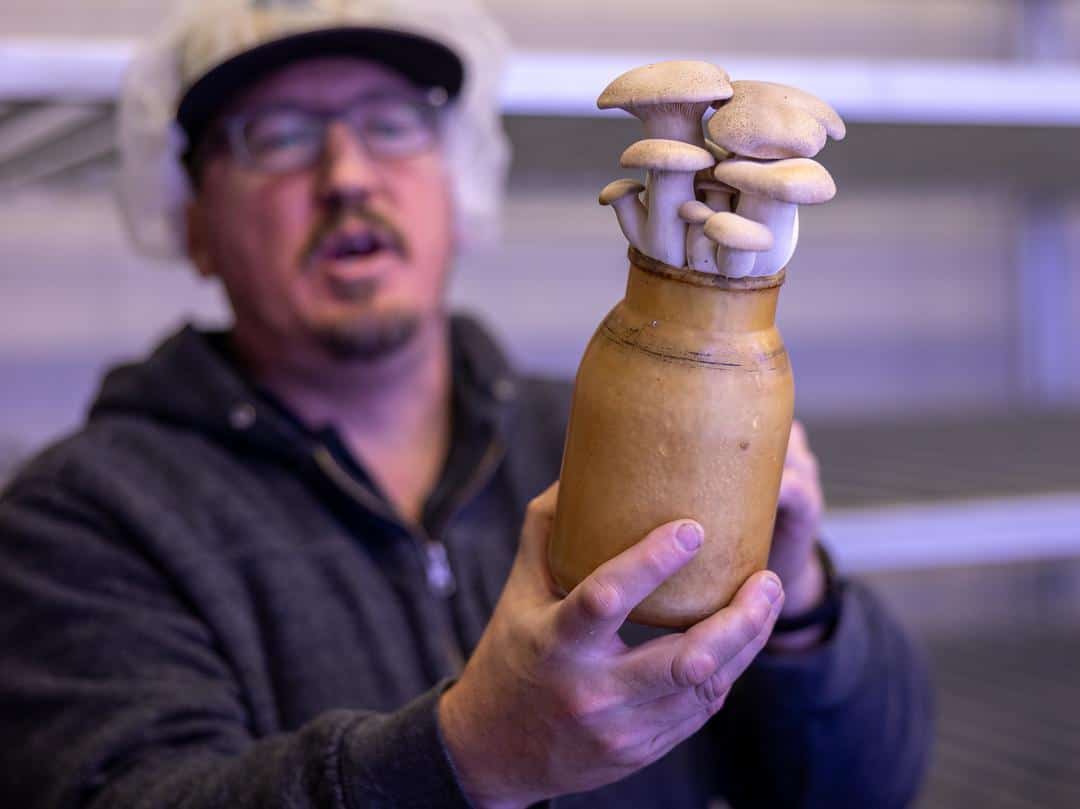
{"x": 348, "y": 172}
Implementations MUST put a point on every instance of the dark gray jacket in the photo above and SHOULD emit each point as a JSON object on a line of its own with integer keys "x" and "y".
{"x": 206, "y": 605}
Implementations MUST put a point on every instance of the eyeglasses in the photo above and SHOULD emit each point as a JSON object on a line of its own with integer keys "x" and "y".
{"x": 283, "y": 138}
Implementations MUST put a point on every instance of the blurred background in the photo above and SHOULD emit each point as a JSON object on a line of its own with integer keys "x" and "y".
{"x": 932, "y": 312}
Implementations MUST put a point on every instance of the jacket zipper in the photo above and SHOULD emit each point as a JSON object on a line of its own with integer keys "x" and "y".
{"x": 438, "y": 572}
{"x": 433, "y": 557}
{"x": 440, "y": 576}
{"x": 432, "y": 552}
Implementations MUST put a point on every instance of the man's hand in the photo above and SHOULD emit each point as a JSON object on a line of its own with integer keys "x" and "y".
{"x": 798, "y": 526}
{"x": 553, "y": 702}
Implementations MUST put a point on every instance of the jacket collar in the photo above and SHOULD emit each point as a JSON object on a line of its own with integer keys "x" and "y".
{"x": 190, "y": 382}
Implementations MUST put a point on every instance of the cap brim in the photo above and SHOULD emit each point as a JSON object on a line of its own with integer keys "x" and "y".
{"x": 425, "y": 62}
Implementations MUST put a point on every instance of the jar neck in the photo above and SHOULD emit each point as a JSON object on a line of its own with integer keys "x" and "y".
{"x": 700, "y": 300}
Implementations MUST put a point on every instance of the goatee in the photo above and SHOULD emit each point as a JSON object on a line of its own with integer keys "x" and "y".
{"x": 371, "y": 338}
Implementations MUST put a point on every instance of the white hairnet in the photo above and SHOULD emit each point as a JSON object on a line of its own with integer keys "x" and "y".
{"x": 153, "y": 184}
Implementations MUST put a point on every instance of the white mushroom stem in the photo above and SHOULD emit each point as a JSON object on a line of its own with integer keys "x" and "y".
{"x": 719, "y": 200}
{"x": 781, "y": 219}
{"x": 770, "y": 193}
{"x": 734, "y": 263}
{"x": 675, "y": 122}
{"x": 738, "y": 243}
{"x": 665, "y": 231}
{"x": 794, "y": 243}
{"x": 632, "y": 216}
{"x": 672, "y": 166}
{"x": 622, "y": 195}
{"x": 700, "y": 250}
{"x": 670, "y": 98}
{"x": 718, "y": 196}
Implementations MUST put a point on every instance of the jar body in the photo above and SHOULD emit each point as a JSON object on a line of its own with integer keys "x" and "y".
{"x": 682, "y": 409}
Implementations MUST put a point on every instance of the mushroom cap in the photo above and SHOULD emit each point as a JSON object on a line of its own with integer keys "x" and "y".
{"x": 676, "y": 82}
{"x": 694, "y": 212}
{"x": 710, "y": 183}
{"x": 618, "y": 189}
{"x": 717, "y": 151}
{"x": 770, "y": 121}
{"x": 738, "y": 233}
{"x": 665, "y": 155}
{"x": 798, "y": 180}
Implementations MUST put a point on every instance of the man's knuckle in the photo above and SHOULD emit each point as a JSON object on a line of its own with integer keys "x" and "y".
{"x": 654, "y": 749}
{"x": 600, "y": 600}
{"x": 583, "y": 703}
{"x": 752, "y": 623}
{"x": 717, "y": 704}
{"x": 715, "y": 687}
{"x": 694, "y": 666}
{"x": 620, "y": 748}
{"x": 541, "y": 645}
{"x": 538, "y": 509}
{"x": 657, "y": 562}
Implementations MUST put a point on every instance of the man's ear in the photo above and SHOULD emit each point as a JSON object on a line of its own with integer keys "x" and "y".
{"x": 198, "y": 238}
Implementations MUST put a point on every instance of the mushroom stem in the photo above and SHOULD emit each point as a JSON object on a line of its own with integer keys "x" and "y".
{"x": 770, "y": 193}
{"x": 676, "y": 122}
{"x": 734, "y": 263}
{"x": 700, "y": 249}
{"x": 794, "y": 242}
{"x": 780, "y": 218}
{"x": 738, "y": 241}
{"x": 622, "y": 195}
{"x": 632, "y": 216}
{"x": 672, "y": 166}
{"x": 665, "y": 231}
{"x": 670, "y": 98}
{"x": 719, "y": 200}
{"x": 700, "y": 252}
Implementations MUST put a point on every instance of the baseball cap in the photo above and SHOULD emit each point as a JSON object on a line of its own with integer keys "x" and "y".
{"x": 221, "y": 57}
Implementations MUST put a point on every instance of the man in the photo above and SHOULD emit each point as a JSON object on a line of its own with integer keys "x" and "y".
{"x": 280, "y": 565}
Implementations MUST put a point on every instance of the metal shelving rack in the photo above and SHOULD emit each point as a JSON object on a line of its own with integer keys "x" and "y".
{"x": 56, "y": 117}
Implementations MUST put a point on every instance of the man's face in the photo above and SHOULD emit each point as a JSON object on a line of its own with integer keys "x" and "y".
{"x": 345, "y": 259}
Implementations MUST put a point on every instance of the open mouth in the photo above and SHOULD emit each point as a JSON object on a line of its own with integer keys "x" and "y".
{"x": 346, "y": 246}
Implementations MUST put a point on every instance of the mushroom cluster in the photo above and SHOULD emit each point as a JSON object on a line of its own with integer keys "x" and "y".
{"x": 726, "y": 203}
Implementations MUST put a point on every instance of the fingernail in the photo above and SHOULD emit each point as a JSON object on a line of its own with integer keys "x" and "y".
{"x": 771, "y": 588}
{"x": 690, "y": 536}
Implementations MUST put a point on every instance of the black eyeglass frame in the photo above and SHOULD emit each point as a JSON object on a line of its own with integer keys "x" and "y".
{"x": 229, "y": 132}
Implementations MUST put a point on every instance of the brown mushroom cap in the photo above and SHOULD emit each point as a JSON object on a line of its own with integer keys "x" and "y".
{"x": 737, "y": 232}
{"x": 717, "y": 151}
{"x": 798, "y": 181}
{"x": 703, "y": 182}
{"x": 618, "y": 189}
{"x": 770, "y": 121}
{"x": 694, "y": 212}
{"x": 675, "y": 82}
{"x": 665, "y": 155}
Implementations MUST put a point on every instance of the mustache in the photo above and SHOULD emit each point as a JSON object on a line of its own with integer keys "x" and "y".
{"x": 346, "y": 217}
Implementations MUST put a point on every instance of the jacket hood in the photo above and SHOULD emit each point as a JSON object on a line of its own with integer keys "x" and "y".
{"x": 189, "y": 381}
